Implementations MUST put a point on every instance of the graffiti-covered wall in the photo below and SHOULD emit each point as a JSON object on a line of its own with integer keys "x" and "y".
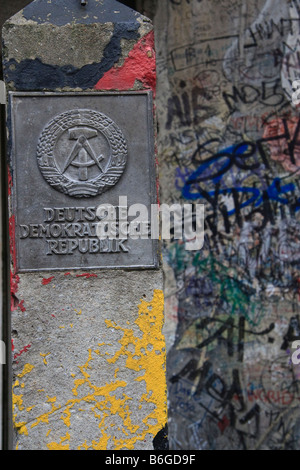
{"x": 228, "y": 138}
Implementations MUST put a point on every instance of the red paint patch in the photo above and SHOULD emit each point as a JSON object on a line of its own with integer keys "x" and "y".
{"x": 87, "y": 275}
{"x": 9, "y": 181}
{"x": 67, "y": 274}
{"x": 25, "y": 349}
{"x": 223, "y": 424}
{"x": 139, "y": 65}
{"x": 12, "y": 345}
{"x": 21, "y": 306}
{"x": 12, "y": 228}
{"x": 14, "y": 284}
{"x": 14, "y": 278}
{"x": 46, "y": 281}
{"x": 279, "y": 128}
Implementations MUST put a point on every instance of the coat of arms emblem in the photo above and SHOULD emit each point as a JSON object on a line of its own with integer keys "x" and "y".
{"x": 82, "y": 153}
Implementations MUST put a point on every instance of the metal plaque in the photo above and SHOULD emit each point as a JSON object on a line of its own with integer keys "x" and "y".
{"x": 72, "y": 156}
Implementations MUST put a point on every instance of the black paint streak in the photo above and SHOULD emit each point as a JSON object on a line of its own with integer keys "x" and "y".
{"x": 160, "y": 441}
{"x": 60, "y": 12}
{"x": 34, "y": 75}
{"x": 293, "y": 332}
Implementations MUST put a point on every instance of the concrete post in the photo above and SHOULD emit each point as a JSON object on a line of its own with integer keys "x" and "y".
{"x": 2, "y": 344}
{"x": 88, "y": 347}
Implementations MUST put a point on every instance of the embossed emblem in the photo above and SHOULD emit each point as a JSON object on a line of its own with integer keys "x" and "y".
{"x": 82, "y": 153}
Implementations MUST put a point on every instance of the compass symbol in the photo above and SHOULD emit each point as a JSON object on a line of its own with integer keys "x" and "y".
{"x": 79, "y": 156}
{"x": 67, "y": 153}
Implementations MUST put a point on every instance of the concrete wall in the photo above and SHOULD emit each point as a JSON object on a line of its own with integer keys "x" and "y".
{"x": 229, "y": 138}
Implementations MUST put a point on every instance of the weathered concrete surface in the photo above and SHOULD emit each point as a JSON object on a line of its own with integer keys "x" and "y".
{"x": 88, "y": 349}
{"x": 229, "y": 138}
{"x": 88, "y": 361}
{"x": 52, "y": 51}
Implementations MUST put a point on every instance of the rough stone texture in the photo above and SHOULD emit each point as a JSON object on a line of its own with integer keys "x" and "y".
{"x": 88, "y": 349}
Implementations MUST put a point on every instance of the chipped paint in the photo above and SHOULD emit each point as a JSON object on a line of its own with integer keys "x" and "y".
{"x": 60, "y": 445}
{"x": 25, "y": 349}
{"x": 87, "y": 275}
{"x": 46, "y": 281}
{"x": 138, "y": 66}
{"x": 148, "y": 358}
{"x": 17, "y": 400}
{"x": 111, "y": 403}
{"x": 44, "y": 356}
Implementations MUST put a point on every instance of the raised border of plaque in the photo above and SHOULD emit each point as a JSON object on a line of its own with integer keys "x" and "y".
{"x": 72, "y": 153}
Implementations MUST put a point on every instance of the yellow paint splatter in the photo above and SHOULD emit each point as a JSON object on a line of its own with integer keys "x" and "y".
{"x": 44, "y": 418}
{"x": 84, "y": 446}
{"x": 111, "y": 402}
{"x": 27, "y": 368}
{"x": 29, "y": 408}
{"x": 66, "y": 418}
{"x": 21, "y": 428}
{"x": 60, "y": 445}
{"x": 44, "y": 356}
{"x": 51, "y": 399}
{"x": 17, "y": 400}
{"x": 145, "y": 360}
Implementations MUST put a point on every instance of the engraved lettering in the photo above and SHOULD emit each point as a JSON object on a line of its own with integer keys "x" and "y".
{"x": 86, "y": 231}
{"x": 44, "y": 230}
{"x": 91, "y": 213}
{"x": 55, "y": 230}
{"x": 52, "y": 245}
{"x": 94, "y": 245}
{"x": 24, "y": 231}
{"x": 60, "y": 215}
{"x": 49, "y": 215}
{"x": 94, "y": 229}
{"x": 65, "y": 238}
{"x": 63, "y": 247}
{"x": 105, "y": 245}
{"x": 107, "y": 225}
{"x": 67, "y": 230}
{"x": 34, "y": 230}
{"x": 77, "y": 229}
{"x": 80, "y": 212}
{"x": 69, "y": 214}
{"x": 73, "y": 244}
{"x": 120, "y": 246}
{"x": 86, "y": 245}
{"x": 83, "y": 245}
